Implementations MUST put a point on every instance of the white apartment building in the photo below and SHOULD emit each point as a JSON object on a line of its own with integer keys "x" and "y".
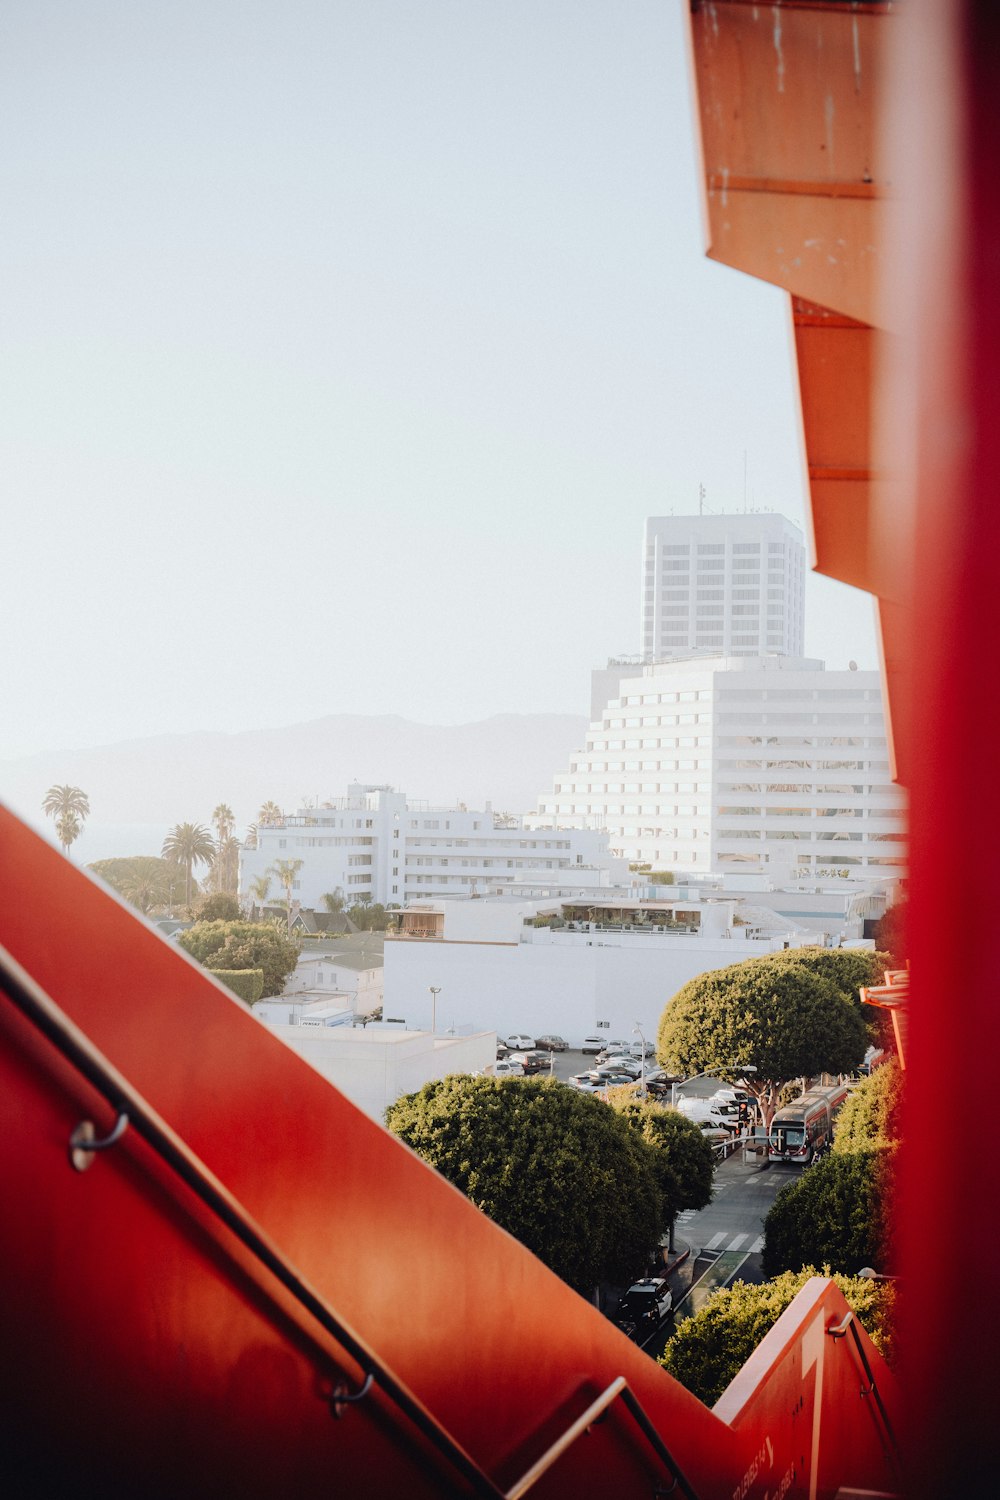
{"x": 374, "y": 844}
{"x": 712, "y": 764}
{"x": 722, "y": 585}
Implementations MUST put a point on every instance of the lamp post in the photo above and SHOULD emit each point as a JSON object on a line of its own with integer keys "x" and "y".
{"x": 642, "y": 1061}
{"x": 435, "y": 991}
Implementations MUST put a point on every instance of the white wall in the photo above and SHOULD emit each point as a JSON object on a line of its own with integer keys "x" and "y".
{"x": 373, "y": 1068}
{"x": 565, "y": 984}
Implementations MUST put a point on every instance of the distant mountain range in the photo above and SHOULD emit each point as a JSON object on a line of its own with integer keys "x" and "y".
{"x": 509, "y": 760}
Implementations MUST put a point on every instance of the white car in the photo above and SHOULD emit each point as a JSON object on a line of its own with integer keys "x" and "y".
{"x": 503, "y": 1068}
{"x": 520, "y": 1043}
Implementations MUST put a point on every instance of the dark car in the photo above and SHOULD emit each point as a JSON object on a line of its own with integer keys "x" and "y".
{"x": 552, "y": 1043}
{"x": 643, "y": 1307}
{"x": 609, "y": 1078}
{"x": 532, "y": 1062}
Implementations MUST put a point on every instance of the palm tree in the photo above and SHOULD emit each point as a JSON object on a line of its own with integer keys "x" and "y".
{"x": 270, "y": 815}
{"x": 334, "y": 901}
{"x": 69, "y": 806}
{"x": 259, "y": 889}
{"x": 285, "y": 871}
{"x": 250, "y": 842}
{"x": 189, "y": 844}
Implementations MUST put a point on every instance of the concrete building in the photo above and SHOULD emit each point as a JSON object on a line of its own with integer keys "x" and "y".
{"x": 722, "y": 586}
{"x": 770, "y": 764}
{"x": 373, "y": 1066}
{"x": 335, "y": 980}
{"x": 612, "y": 964}
{"x": 375, "y": 844}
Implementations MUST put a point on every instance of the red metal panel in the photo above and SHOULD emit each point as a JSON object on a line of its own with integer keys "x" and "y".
{"x": 145, "y": 1352}
{"x": 143, "y": 1345}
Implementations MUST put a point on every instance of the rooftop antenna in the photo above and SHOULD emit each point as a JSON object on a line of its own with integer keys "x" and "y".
{"x": 744, "y": 481}
{"x": 701, "y": 499}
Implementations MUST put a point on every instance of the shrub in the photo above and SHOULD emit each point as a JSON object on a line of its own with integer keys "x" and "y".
{"x": 247, "y": 984}
{"x": 709, "y": 1349}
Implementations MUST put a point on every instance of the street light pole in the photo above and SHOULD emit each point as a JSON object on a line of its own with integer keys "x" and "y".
{"x": 435, "y": 991}
{"x": 642, "y": 1061}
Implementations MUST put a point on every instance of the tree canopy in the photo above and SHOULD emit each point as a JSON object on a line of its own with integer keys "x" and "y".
{"x": 244, "y": 945}
{"x": 147, "y": 881}
{"x": 219, "y": 907}
{"x": 838, "y": 1213}
{"x": 850, "y": 969}
{"x": 709, "y": 1349}
{"x": 775, "y": 1015}
{"x": 873, "y": 1115}
{"x": 568, "y": 1177}
{"x": 685, "y": 1164}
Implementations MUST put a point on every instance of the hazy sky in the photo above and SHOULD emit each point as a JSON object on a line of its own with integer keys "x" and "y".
{"x": 346, "y": 346}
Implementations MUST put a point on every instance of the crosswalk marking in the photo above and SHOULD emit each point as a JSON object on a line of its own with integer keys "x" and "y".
{"x": 757, "y": 1245}
{"x": 738, "y": 1241}
{"x": 716, "y": 1241}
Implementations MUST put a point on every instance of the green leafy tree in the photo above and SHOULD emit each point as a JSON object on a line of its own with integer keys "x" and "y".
{"x": 709, "y": 1349}
{"x": 685, "y": 1165}
{"x": 370, "y": 916}
{"x": 244, "y": 945}
{"x": 873, "y": 1115}
{"x": 285, "y": 872}
{"x": 69, "y": 806}
{"x": 259, "y": 890}
{"x": 189, "y": 844}
{"x": 247, "y": 984}
{"x": 849, "y": 969}
{"x": 559, "y": 1170}
{"x": 219, "y": 907}
{"x": 838, "y": 1213}
{"x": 778, "y": 1017}
{"x": 144, "y": 880}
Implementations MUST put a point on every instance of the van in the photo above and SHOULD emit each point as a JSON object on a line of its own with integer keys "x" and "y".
{"x": 704, "y": 1112}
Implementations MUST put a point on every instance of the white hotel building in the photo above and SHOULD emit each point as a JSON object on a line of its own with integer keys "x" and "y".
{"x": 713, "y": 764}
{"x": 729, "y": 585}
{"x": 375, "y": 845}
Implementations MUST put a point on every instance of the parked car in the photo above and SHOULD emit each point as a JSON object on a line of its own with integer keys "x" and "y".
{"x": 504, "y": 1067}
{"x": 532, "y": 1062}
{"x": 593, "y": 1044}
{"x": 624, "y": 1064}
{"x": 637, "y": 1049}
{"x": 615, "y": 1049}
{"x": 518, "y": 1043}
{"x": 608, "y": 1078}
{"x": 586, "y": 1083}
{"x": 644, "y": 1306}
{"x": 552, "y": 1043}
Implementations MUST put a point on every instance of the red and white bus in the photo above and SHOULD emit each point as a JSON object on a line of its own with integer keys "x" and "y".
{"x": 803, "y": 1129}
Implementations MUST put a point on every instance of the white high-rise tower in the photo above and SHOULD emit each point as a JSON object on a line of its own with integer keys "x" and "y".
{"x": 722, "y": 586}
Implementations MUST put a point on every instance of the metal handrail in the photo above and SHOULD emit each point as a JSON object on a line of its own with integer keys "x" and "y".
{"x": 75, "y": 1045}
{"x": 849, "y": 1324}
{"x": 133, "y": 1109}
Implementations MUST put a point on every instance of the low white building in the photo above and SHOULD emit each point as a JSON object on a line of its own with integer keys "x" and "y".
{"x": 613, "y": 964}
{"x": 771, "y": 764}
{"x": 373, "y": 1066}
{"x": 376, "y": 845}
